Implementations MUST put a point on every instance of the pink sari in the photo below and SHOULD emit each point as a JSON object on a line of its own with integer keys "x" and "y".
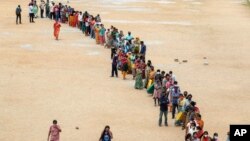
{"x": 54, "y": 132}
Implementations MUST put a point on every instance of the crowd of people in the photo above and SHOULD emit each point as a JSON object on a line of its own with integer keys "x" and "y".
{"x": 128, "y": 56}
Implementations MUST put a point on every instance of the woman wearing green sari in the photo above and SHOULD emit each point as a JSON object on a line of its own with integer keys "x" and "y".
{"x": 138, "y": 79}
{"x": 35, "y": 10}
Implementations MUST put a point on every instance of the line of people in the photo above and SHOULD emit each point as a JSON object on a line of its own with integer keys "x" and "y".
{"x": 128, "y": 55}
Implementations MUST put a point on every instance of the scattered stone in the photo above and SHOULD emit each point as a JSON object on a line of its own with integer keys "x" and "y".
{"x": 204, "y": 57}
{"x": 77, "y": 128}
{"x": 184, "y": 61}
{"x": 206, "y": 63}
{"x": 176, "y": 60}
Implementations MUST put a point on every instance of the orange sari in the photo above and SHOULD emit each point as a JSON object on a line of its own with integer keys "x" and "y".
{"x": 56, "y": 29}
{"x": 97, "y": 35}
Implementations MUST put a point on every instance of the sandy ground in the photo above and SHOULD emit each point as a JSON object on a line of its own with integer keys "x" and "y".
{"x": 42, "y": 79}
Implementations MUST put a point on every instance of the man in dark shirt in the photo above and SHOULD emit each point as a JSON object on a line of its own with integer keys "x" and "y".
{"x": 143, "y": 49}
{"x": 114, "y": 66}
{"x": 18, "y": 14}
{"x": 164, "y": 109}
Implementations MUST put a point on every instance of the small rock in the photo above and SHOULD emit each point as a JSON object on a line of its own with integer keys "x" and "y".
{"x": 204, "y": 57}
{"x": 184, "y": 61}
{"x": 206, "y": 63}
{"x": 176, "y": 60}
{"x": 77, "y": 128}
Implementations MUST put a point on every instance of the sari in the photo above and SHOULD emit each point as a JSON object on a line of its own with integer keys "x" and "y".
{"x": 138, "y": 79}
{"x": 56, "y": 29}
{"x": 97, "y": 35}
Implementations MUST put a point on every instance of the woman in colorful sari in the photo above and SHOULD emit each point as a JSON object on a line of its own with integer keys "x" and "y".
{"x": 143, "y": 68}
{"x": 56, "y": 29}
{"x": 71, "y": 19}
{"x": 136, "y": 45}
{"x": 147, "y": 71}
{"x": 97, "y": 33}
{"x": 151, "y": 77}
{"x": 124, "y": 62}
{"x": 83, "y": 25}
{"x": 92, "y": 28}
{"x": 75, "y": 22}
{"x": 102, "y": 34}
{"x": 132, "y": 59}
{"x": 138, "y": 79}
{"x": 157, "y": 91}
{"x": 35, "y": 9}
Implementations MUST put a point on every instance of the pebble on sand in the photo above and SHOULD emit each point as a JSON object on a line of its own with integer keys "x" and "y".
{"x": 77, "y": 128}
{"x": 184, "y": 61}
{"x": 176, "y": 60}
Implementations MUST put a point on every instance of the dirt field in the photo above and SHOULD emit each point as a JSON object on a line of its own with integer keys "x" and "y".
{"x": 42, "y": 79}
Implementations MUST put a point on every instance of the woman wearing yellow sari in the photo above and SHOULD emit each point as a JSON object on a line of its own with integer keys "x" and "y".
{"x": 97, "y": 35}
{"x": 151, "y": 77}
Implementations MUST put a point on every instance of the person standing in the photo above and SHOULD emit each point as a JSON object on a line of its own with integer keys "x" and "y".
{"x": 80, "y": 16}
{"x": 31, "y": 13}
{"x": 106, "y": 135}
{"x": 47, "y": 10}
{"x": 18, "y": 14}
{"x": 114, "y": 66}
{"x": 138, "y": 79}
{"x": 57, "y": 27}
{"x": 52, "y": 11}
{"x": 42, "y": 7}
{"x": 102, "y": 35}
{"x": 54, "y": 132}
{"x": 175, "y": 93}
{"x": 157, "y": 91}
{"x": 124, "y": 62}
{"x": 164, "y": 109}
{"x": 35, "y": 10}
{"x": 143, "y": 49}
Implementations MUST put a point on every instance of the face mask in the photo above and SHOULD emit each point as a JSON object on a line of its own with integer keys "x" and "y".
{"x": 215, "y": 137}
{"x": 205, "y": 136}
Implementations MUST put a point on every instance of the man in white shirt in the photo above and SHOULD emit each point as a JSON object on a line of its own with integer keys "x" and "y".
{"x": 52, "y": 12}
{"x": 42, "y": 7}
{"x": 31, "y": 13}
{"x": 80, "y": 20}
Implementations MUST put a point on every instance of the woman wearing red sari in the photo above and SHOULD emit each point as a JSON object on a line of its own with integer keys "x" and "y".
{"x": 57, "y": 26}
{"x": 75, "y": 19}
